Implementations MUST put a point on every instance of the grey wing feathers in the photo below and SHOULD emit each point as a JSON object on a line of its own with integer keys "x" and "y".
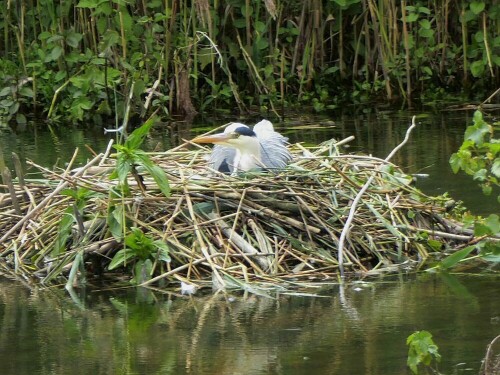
{"x": 222, "y": 158}
{"x": 274, "y": 152}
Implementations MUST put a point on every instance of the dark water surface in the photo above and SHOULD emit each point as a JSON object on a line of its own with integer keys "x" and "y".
{"x": 359, "y": 329}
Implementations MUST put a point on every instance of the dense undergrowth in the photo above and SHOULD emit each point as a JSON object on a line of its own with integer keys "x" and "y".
{"x": 89, "y": 60}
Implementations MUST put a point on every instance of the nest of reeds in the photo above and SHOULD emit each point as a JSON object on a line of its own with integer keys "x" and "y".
{"x": 269, "y": 227}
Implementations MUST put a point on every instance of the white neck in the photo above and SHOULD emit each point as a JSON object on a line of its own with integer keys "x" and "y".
{"x": 247, "y": 157}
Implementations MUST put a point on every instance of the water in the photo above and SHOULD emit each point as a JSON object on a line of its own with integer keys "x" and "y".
{"x": 360, "y": 329}
{"x": 357, "y": 329}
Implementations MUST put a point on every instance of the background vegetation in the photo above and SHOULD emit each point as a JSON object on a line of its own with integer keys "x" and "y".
{"x": 88, "y": 59}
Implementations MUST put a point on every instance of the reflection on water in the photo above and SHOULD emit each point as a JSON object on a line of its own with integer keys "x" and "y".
{"x": 437, "y": 136}
{"x": 358, "y": 329}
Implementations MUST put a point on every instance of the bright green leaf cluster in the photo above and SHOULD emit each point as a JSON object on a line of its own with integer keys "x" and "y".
{"x": 421, "y": 350}
{"x": 479, "y": 155}
{"x": 140, "y": 249}
{"x": 130, "y": 156}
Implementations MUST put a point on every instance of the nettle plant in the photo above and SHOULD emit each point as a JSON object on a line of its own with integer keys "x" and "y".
{"x": 140, "y": 250}
{"x": 479, "y": 155}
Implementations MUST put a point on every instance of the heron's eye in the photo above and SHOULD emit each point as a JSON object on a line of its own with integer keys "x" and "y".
{"x": 235, "y": 135}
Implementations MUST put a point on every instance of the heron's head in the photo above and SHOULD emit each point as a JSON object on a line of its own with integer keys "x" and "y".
{"x": 235, "y": 135}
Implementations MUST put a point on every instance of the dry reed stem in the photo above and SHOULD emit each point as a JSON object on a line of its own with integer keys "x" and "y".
{"x": 264, "y": 227}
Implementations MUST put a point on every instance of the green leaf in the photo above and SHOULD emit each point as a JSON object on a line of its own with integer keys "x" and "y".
{"x": 26, "y": 91}
{"x": 116, "y": 221}
{"x": 489, "y": 226}
{"x": 203, "y": 208}
{"x": 69, "y": 193}
{"x": 424, "y": 10}
{"x": 21, "y": 118}
{"x": 491, "y": 258}
{"x": 73, "y": 39}
{"x": 54, "y": 54}
{"x": 412, "y": 17}
{"x": 163, "y": 251}
{"x": 121, "y": 258}
{"x": 479, "y": 37}
{"x": 477, "y": 6}
{"x": 142, "y": 271}
{"x": 487, "y": 189}
{"x": 426, "y": 33}
{"x": 478, "y": 117}
{"x": 260, "y": 26}
{"x": 477, "y": 133}
{"x": 64, "y": 231}
{"x": 427, "y": 70}
{"x": 495, "y": 168}
{"x": 477, "y": 68}
{"x": 261, "y": 43}
{"x": 5, "y": 91}
{"x": 109, "y": 40}
{"x": 90, "y": 4}
{"x": 435, "y": 244}
{"x": 456, "y": 257}
{"x": 155, "y": 171}
{"x": 135, "y": 139}
{"x": 480, "y": 175}
{"x": 425, "y": 24}
{"x": 239, "y": 23}
{"x": 455, "y": 162}
{"x": 123, "y": 167}
{"x": 421, "y": 350}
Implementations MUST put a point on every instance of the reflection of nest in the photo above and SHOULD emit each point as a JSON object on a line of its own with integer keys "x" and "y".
{"x": 271, "y": 227}
{"x": 491, "y": 363}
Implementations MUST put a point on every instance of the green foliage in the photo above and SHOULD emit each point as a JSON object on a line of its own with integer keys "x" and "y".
{"x": 479, "y": 155}
{"x": 140, "y": 250}
{"x": 130, "y": 156}
{"x": 14, "y": 94}
{"x": 453, "y": 259}
{"x": 421, "y": 350}
{"x": 69, "y": 219}
{"x": 240, "y": 53}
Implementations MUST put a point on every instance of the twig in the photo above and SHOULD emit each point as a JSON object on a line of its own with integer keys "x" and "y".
{"x": 238, "y": 240}
{"x": 62, "y": 185}
{"x": 352, "y": 211}
{"x": 488, "y": 354}
{"x": 490, "y": 97}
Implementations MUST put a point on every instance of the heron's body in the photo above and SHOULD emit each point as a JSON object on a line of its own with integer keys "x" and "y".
{"x": 240, "y": 148}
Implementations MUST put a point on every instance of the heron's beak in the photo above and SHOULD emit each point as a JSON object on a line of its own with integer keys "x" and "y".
{"x": 213, "y": 138}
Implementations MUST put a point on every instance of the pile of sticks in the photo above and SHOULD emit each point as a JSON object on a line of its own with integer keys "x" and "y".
{"x": 306, "y": 222}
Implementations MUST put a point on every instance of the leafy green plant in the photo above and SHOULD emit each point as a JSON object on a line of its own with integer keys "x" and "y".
{"x": 140, "y": 250}
{"x": 253, "y": 54}
{"x": 73, "y": 215}
{"x": 130, "y": 158}
{"x": 421, "y": 350}
{"x": 486, "y": 250}
{"x": 479, "y": 155}
{"x": 14, "y": 94}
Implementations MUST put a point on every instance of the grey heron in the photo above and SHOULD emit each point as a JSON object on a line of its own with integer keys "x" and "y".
{"x": 240, "y": 148}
